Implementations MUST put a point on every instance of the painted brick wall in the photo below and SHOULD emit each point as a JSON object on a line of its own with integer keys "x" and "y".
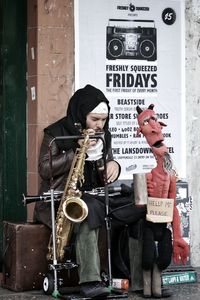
{"x": 50, "y": 74}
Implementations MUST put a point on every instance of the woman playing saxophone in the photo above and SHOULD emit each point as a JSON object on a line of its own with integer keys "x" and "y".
{"x": 90, "y": 108}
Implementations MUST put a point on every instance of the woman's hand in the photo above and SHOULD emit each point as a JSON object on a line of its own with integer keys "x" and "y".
{"x": 92, "y": 142}
{"x": 112, "y": 171}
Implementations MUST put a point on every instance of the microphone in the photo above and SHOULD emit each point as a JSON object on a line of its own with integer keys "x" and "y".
{"x": 123, "y": 189}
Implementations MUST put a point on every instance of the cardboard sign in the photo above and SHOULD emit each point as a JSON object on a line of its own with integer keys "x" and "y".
{"x": 160, "y": 210}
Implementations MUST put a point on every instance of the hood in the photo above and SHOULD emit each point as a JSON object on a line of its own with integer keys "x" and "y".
{"x": 81, "y": 103}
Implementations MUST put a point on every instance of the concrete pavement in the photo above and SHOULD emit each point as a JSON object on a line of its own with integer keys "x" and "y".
{"x": 180, "y": 291}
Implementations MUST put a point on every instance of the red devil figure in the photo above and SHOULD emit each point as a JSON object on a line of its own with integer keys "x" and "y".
{"x": 158, "y": 245}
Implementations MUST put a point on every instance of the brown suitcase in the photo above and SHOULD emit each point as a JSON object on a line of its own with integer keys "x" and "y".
{"x": 25, "y": 249}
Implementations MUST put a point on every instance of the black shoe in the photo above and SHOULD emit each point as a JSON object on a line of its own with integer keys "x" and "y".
{"x": 166, "y": 293}
{"x": 94, "y": 290}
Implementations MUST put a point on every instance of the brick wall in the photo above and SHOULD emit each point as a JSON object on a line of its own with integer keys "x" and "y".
{"x": 50, "y": 55}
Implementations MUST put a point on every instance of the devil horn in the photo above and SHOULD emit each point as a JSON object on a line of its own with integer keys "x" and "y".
{"x": 139, "y": 110}
{"x": 151, "y": 106}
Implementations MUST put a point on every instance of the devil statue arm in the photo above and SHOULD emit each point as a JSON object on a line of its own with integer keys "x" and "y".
{"x": 180, "y": 247}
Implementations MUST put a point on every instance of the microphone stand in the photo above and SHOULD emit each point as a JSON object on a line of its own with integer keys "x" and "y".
{"x": 118, "y": 293}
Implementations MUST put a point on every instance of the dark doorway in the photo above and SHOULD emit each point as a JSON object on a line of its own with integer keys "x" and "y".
{"x": 13, "y": 40}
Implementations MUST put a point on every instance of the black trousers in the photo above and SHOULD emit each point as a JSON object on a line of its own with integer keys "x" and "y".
{"x": 157, "y": 246}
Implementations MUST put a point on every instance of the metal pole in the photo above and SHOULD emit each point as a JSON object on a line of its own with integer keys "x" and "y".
{"x": 54, "y": 241}
{"x": 107, "y": 219}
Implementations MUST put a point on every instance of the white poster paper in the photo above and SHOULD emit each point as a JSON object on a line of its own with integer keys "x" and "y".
{"x": 133, "y": 52}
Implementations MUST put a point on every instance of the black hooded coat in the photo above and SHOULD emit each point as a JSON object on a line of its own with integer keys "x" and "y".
{"x": 61, "y": 153}
{"x": 55, "y": 160}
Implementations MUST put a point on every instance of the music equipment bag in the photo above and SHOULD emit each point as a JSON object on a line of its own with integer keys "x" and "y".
{"x": 24, "y": 258}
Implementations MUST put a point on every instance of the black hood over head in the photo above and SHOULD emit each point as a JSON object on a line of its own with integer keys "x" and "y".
{"x": 80, "y": 104}
{"x": 83, "y": 102}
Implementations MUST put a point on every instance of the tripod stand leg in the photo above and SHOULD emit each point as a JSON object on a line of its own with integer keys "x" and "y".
{"x": 135, "y": 255}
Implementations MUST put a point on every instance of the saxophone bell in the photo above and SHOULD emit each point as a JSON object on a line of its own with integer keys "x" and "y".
{"x": 75, "y": 209}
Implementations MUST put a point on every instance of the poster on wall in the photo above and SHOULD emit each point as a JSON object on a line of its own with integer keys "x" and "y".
{"x": 134, "y": 52}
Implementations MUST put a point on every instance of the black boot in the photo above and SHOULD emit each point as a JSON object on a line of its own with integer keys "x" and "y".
{"x": 94, "y": 289}
{"x": 166, "y": 293}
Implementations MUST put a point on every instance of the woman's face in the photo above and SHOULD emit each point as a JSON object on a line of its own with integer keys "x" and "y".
{"x": 96, "y": 121}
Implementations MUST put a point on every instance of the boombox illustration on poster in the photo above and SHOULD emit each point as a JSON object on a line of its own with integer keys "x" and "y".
{"x": 131, "y": 39}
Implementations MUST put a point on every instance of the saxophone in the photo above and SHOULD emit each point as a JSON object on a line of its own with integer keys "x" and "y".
{"x": 72, "y": 209}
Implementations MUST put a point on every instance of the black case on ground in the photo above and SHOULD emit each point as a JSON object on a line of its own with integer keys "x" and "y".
{"x": 24, "y": 260}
